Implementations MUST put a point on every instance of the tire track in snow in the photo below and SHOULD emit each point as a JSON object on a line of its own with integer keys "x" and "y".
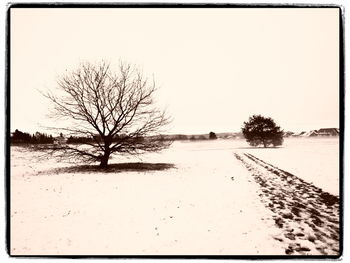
{"x": 307, "y": 216}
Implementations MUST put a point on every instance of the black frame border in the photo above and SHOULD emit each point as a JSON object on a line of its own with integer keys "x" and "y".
{"x": 183, "y": 6}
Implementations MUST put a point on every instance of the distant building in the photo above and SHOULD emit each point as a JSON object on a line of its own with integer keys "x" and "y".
{"x": 288, "y": 134}
{"x": 302, "y": 133}
{"x": 328, "y": 132}
{"x": 313, "y": 133}
{"x": 324, "y": 132}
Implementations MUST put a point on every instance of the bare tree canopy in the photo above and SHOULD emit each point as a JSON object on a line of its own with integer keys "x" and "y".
{"x": 114, "y": 109}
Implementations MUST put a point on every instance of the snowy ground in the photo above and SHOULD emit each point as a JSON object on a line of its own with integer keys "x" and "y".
{"x": 212, "y": 203}
{"x": 316, "y": 160}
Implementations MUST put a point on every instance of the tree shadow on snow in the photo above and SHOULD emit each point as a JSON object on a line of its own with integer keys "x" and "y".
{"x": 112, "y": 168}
{"x": 253, "y": 148}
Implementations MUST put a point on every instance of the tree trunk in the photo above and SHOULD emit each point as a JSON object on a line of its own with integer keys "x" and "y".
{"x": 104, "y": 160}
{"x": 106, "y": 154}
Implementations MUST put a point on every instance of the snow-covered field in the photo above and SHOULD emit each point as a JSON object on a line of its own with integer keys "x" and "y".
{"x": 216, "y": 201}
{"x": 316, "y": 160}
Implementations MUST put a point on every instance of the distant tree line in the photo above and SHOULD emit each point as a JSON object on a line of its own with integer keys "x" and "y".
{"x": 98, "y": 139}
{"x": 179, "y": 137}
{"x": 19, "y": 137}
{"x": 26, "y": 138}
{"x": 79, "y": 140}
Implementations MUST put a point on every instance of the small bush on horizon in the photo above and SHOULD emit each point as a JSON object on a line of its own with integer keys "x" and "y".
{"x": 212, "y": 136}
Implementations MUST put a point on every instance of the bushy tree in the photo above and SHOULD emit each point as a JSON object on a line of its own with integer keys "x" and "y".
{"x": 259, "y": 130}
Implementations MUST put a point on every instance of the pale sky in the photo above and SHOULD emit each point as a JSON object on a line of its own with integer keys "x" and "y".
{"x": 214, "y": 67}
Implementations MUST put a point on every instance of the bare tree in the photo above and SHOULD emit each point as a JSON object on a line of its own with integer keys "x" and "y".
{"x": 114, "y": 109}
